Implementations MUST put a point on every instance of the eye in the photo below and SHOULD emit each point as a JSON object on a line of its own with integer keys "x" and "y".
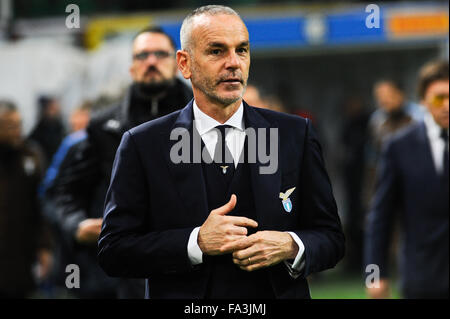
{"x": 215, "y": 51}
{"x": 242, "y": 50}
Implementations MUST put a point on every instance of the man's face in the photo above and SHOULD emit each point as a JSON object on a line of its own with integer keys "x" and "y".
{"x": 153, "y": 59}
{"x": 219, "y": 59}
{"x": 10, "y": 128}
{"x": 53, "y": 110}
{"x": 388, "y": 97}
{"x": 436, "y": 101}
{"x": 79, "y": 120}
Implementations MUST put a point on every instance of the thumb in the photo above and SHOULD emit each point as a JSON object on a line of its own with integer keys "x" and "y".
{"x": 228, "y": 207}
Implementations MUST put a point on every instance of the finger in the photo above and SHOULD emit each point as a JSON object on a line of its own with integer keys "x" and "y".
{"x": 228, "y": 207}
{"x": 242, "y": 231}
{"x": 249, "y": 261}
{"x": 228, "y": 248}
{"x": 242, "y": 221}
{"x": 254, "y": 267}
{"x": 237, "y": 245}
{"x": 242, "y": 254}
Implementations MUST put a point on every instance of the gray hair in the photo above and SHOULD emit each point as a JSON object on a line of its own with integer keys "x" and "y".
{"x": 6, "y": 107}
{"x": 186, "y": 27}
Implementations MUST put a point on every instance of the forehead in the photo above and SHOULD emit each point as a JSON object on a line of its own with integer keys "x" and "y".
{"x": 437, "y": 87}
{"x": 386, "y": 86}
{"x": 151, "y": 42}
{"x": 223, "y": 28}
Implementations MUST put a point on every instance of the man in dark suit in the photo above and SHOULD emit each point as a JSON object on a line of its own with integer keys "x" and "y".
{"x": 211, "y": 228}
{"x": 413, "y": 178}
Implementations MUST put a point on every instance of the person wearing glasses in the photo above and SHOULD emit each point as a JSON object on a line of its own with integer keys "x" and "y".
{"x": 413, "y": 179}
{"x": 79, "y": 189}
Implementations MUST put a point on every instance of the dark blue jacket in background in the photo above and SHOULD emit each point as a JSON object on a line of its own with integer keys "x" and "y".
{"x": 407, "y": 182}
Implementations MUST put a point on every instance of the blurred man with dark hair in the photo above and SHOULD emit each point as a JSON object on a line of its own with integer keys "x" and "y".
{"x": 49, "y": 130}
{"x": 23, "y": 236}
{"x": 413, "y": 178}
{"x": 81, "y": 183}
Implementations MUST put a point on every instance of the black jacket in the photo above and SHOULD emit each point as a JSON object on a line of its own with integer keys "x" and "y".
{"x": 22, "y": 230}
{"x": 80, "y": 188}
{"x": 153, "y": 204}
{"x": 408, "y": 185}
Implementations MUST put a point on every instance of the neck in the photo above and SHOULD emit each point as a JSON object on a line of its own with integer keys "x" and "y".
{"x": 221, "y": 113}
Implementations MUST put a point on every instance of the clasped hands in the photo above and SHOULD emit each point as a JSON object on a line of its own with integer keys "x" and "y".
{"x": 221, "y": 234}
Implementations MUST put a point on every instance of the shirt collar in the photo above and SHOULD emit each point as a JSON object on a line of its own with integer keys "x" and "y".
{"x": 433, "y": 129}
{"x": 205, "y": 123}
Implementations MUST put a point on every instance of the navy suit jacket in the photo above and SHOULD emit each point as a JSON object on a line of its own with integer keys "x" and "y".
{"x": 408, "y": 183}
{"x": 153, "y": 205}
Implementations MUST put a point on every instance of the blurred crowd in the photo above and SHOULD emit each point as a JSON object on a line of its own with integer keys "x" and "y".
{"x": 53, "y": 181}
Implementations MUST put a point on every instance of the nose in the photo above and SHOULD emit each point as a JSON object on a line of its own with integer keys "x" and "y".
{"x": 151, "y": 59}
{"x": 233, "y": 61}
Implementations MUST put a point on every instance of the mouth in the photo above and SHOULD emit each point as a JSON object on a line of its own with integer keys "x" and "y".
{"x": 234, "y": 81}
{"x": 152, "y": 71}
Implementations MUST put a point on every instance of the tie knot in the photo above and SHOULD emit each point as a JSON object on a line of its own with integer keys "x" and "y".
{"x": 444, "y": 134}
{"x": 222, "y": 129}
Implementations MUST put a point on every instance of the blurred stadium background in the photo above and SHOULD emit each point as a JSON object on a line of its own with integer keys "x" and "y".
{"x": 313, "y": 57}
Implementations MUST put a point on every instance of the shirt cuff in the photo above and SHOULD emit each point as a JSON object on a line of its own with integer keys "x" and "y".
{"x": 194, "y": 252}
{"x": 297, "y": 266}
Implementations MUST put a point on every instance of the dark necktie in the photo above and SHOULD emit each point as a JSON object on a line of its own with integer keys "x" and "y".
{"x": 444, "y": 136}
{"x": 222, "y": 155}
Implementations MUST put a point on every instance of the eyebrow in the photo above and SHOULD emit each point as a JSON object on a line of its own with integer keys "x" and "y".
{"x": 222, "y": 45}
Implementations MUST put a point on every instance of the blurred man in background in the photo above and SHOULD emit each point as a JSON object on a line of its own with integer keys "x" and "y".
{"x": 23, "y": 236}
{"x": 393, "y": 111}
{"x": 253, "y": 97}
{"x": 79, "y": 119}
{"x": 392, "y": 114}
{"x": 413, "y": 177}
{"x": 49, "y": 130}
{"x": 62, "y": 250}
{"x": 83, "y": 178}
{"x": 354, "y": 139}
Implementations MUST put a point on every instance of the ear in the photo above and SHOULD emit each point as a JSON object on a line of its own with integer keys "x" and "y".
{"x": 184, "y": 63}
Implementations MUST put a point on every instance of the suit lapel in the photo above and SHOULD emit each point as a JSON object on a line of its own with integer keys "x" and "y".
{"x": 426, "y": 153}
{"x": 188, "y": 177}
{"x": 266, "y": 187}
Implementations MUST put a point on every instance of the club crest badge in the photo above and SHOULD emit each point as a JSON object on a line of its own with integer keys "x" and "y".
{"x": 286, "y": 201}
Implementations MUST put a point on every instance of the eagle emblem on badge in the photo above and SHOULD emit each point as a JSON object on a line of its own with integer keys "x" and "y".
{"x": 285, "y": 200}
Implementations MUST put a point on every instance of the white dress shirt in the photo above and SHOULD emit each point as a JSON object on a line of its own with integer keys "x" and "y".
{"x": 235, "y": 140}
{"x": 437, "y": 144}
